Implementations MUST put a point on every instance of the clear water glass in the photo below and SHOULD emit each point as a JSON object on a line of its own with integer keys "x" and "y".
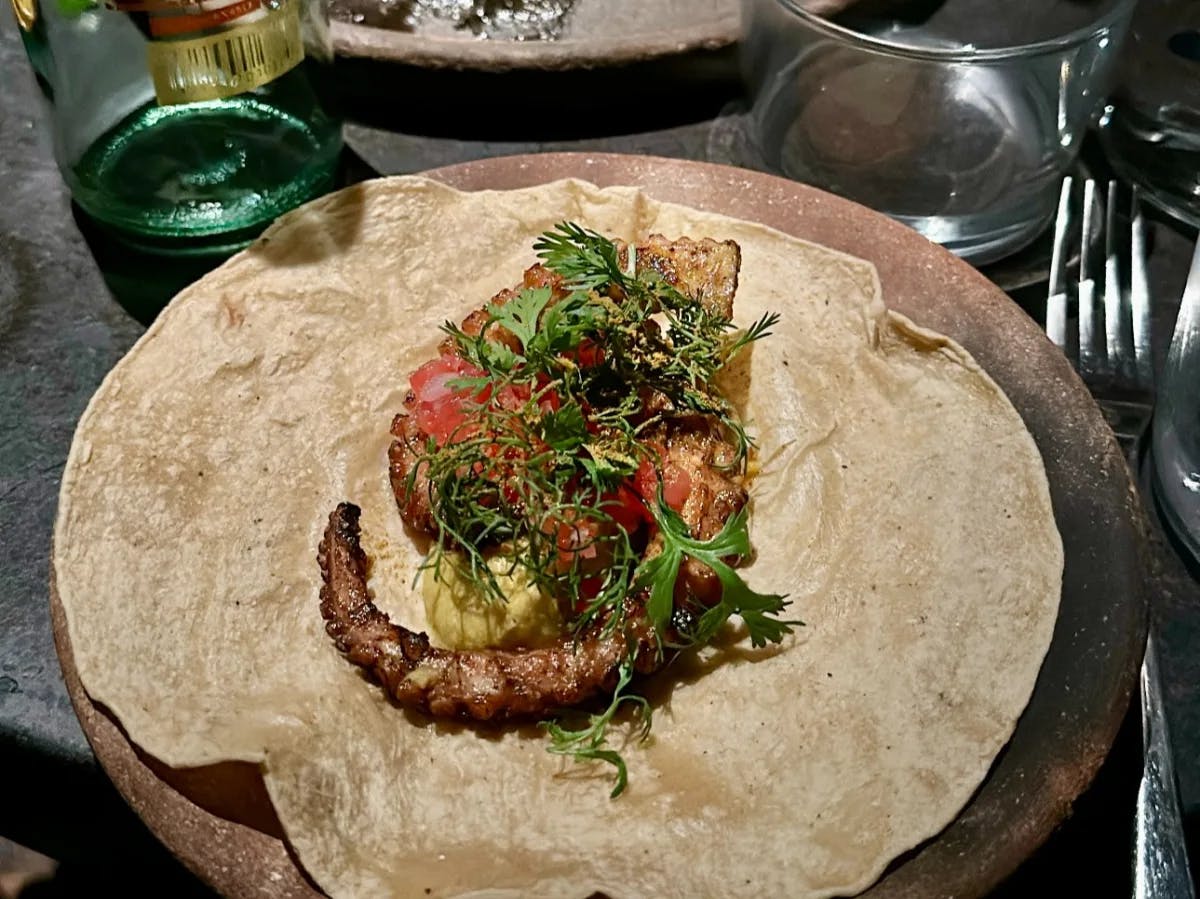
{"x": 1176, "y": 435}
{"x": 1151, "y": 123}
{"x": 956, "y": 117}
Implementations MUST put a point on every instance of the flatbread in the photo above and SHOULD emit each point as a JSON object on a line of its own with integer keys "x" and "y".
{"x": 901, "y": 503}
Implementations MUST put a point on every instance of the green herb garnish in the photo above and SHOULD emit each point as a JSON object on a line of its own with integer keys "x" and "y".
{"x": 588, "y": 743}
{"x": 553, "y": 431}
{"x": 658, "y": 576}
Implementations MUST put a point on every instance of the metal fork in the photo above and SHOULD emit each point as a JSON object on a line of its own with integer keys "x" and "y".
{"x": 1119, "y": 372}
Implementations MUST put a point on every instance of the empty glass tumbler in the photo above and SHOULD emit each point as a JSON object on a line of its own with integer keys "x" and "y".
{"x": 957, "y": 117}
{"x": 1176, "y": 436}
{"x": 1151, "y": 123}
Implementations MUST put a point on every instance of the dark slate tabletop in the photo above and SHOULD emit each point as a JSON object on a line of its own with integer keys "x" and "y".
{"x": 71, "y": 305}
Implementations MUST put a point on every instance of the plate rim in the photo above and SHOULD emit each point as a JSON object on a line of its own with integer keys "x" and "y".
{"x": 435, "y": 52}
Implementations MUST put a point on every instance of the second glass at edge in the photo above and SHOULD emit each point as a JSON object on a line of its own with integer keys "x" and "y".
{"x": 957, "y": 118}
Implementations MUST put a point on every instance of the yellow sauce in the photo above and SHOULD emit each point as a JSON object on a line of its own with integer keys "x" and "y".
{"x": 460, "y": 617}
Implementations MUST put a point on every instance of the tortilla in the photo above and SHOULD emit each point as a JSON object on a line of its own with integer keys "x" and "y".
{"x": 901, "y": 503}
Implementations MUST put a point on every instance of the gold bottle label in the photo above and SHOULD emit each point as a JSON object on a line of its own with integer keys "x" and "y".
{"x": 26, "y": 13}
{"x": 254, "y": 45}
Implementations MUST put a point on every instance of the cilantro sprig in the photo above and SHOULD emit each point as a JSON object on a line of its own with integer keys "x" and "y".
{"x": 588, "y": 743}
{"x": 658, "y": 575}
{"x": 547, "y": 334}
{"x": 586, "y": 259}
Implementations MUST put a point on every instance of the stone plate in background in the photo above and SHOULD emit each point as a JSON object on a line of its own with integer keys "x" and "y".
{"x": 591, "y": 33}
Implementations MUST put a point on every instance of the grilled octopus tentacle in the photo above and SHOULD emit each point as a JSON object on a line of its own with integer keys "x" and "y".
{"x": 488, "y": 684}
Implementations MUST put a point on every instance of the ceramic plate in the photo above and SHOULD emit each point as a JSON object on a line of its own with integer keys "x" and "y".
{"x": 220, "y": 824}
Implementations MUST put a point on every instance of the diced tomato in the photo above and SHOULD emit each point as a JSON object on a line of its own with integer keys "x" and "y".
{"x": 429, "y": 381}
{"x": 442, "y": 421}
{"x": 645, "y": 481}
{"x": 589, "y": 588}
{"x": 439, "y": 407}
{"x": 444, "y": 413}
{"x": 549, "y": 401}
{"x": 676, "y": 484}
{"x": 577, "y": 541}
{"x": 512, "y": 398}
{"x": 626, "y": 509}
{"x": 589, "y": 354}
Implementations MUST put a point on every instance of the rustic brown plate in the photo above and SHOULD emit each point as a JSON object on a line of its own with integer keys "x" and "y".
{"x": 596, "y": 33}
{"x": 1085, "y": 683}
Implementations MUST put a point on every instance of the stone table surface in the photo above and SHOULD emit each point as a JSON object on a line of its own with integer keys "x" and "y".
{"x": 70, "y": 307}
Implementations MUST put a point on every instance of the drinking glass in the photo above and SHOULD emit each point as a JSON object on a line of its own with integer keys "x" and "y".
{"x": 1151, "y": 123}
{"x": 956, "y": 117}
{"x": 1176, "y": 435}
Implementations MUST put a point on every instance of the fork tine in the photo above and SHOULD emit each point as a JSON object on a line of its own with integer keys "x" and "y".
{"x": 1090, "y": 360}
{"x": 1139, "y": 296}
{"x": 1114, "y": 292}
{"x": 1056, "y": 300}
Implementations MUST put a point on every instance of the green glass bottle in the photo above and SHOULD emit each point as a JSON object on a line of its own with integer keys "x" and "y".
{"x": 187, "y": 126}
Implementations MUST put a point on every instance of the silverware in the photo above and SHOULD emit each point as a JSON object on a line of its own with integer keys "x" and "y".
{"x": 1160, "y": 855}
{"x": 1116, "y": 365}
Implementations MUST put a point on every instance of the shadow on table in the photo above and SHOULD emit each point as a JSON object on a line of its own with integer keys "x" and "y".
{"x": 1088, "y": 855}
{"x": 73, "y": 881}
{"x": 72, "y": 813}
{"x": 1091, "y": 852}
{"x": 143, "y": 282}
{"x": 532, "y": 106}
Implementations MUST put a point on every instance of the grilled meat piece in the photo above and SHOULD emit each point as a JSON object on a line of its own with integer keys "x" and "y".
{"x": 416, "y": 504}
{"x": 698, "y": 446}
{"x": 704, "y": 269}
{"x": 484, "y": 685}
